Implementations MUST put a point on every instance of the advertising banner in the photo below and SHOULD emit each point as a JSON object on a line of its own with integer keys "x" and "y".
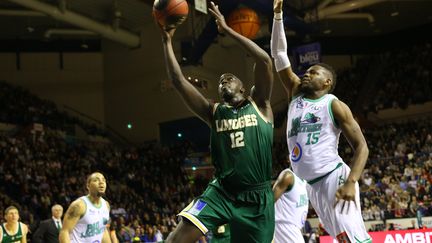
{"x": 397, "y": 236}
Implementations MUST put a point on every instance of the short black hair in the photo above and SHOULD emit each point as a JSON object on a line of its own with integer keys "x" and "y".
{"x": 332, "y": 72}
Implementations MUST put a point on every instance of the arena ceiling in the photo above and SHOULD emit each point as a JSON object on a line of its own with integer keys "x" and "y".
{"x": 48, "y": 20}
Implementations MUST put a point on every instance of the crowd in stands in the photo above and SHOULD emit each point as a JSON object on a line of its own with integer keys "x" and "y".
{"x": 350, "y": 81}
{"x": 20, "y": 107}
{"x": 406, "y": 78}
{"x": 146, "y": 186}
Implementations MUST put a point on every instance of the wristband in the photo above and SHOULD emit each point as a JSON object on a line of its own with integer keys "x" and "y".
{"x": 278, "y": 16}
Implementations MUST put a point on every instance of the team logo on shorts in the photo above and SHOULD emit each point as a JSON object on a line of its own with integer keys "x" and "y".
{"x": 296, "y": 153}
{"x": 197, "y": 207}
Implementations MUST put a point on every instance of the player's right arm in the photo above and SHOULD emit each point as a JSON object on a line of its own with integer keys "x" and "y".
{"x": 284, "y": 181}
{"x": 195, "y": 101}
{"x": 75, "y": 211}
{"x": 278, "y": 46}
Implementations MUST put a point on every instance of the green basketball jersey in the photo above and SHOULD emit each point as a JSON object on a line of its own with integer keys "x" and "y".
{"x": 241, "y": 147}
{"x": 11, "y": 238}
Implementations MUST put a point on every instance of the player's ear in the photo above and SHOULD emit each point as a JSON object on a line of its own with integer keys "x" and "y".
{"x": 328, "y": 83}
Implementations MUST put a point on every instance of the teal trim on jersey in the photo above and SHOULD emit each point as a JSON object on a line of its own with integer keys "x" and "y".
{"x": 296, "y": 96}
{"x": 101, "y": 202}
{"x": 8, "y": 238}
{"x": 314, "y": 101}
{"x": 331, "y": 113}
{"x": 369, "y": 240}
{"x": 313, "y": 181}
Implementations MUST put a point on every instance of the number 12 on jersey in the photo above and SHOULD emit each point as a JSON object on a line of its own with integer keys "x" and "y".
{"x": 237, "y": 139}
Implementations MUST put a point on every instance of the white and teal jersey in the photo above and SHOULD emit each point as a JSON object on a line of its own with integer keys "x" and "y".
{"x": 91, "y": 226}
{"x": 312, "y": 137}
{"x": 292, "y": 206}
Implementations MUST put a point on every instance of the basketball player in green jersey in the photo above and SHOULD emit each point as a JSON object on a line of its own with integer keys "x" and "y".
{"x": 13, "y": 231}
{"x": 241, "y": 144}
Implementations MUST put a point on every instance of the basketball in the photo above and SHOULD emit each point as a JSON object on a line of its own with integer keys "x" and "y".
{"x": 170, "y": 13}
{"x": 244, "y": 21}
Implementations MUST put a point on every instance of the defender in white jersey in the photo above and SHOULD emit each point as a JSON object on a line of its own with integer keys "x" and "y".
{"x": 87, "y": 217}
{"x": 315, "y": 121}
{"x": 291, "y": 207}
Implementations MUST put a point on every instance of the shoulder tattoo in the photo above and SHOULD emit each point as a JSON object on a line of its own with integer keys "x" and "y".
{"x": 74, "y": 211}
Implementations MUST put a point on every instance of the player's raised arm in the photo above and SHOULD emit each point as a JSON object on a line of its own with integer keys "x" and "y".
{"x": 278, "y": 46}
{"x": 191, "y": 96}
{"x": 73, "y": 214}
{"x": 263, "y": 65}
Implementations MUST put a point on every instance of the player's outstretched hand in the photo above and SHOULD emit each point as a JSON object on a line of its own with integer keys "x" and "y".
{"x": 220, "y": 19}
{"x": 165, "y": 33}
{"x": 346, "y": 195}
{"x": 277, "y": 6}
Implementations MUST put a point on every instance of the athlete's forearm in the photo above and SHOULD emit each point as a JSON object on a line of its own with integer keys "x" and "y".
{"x": 358, "y": 162}
{"x": 106, "y": 237}
{"x": 173, "y": 68}
{"x": 249, "y": 46}
{"x": 64, "y": 236}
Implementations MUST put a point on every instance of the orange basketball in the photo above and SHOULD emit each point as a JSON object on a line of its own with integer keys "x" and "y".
{"x": 170, "y": 13}
{"x": 244, "y": 21}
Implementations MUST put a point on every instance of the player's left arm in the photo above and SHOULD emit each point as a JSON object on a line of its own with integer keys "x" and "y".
{"x": 263, "y": 74}
{"x": 351, "y": 130}
{"x": 284, "y": 181}
{"x": 24, "y": 233}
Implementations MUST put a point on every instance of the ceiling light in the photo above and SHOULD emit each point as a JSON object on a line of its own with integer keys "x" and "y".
{"x": 394, "y": 14}
{"x": 327, "y": 31}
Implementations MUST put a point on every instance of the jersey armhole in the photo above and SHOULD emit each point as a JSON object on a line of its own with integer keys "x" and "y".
{"x": 291, "y": 186}
{"x": 258, "y": 111}
{"x": 85, "y": 210}
{"x": 330, "y": 111}
{"x": 215, "y": 106}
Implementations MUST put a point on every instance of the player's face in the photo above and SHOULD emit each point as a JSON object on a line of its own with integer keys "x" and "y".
{"x": 229, "y": 86}
{"x": 12, "y": 216}
{"x": 313, "y": 80}
{"x": 97, "y": 185}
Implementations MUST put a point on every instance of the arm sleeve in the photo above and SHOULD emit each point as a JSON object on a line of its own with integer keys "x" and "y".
{"x": 278, "y": 46}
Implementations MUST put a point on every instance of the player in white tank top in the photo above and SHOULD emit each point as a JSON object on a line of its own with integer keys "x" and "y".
{"x": 315, "y": 121}
{"x": 312, "y": 137}
{"x": 86, "y": 219}
{"x": 91, "y": 226}
{"x": 291, "y": 207}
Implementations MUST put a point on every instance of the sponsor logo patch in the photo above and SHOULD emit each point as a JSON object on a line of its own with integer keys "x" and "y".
{"x": 197, "y": 207}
